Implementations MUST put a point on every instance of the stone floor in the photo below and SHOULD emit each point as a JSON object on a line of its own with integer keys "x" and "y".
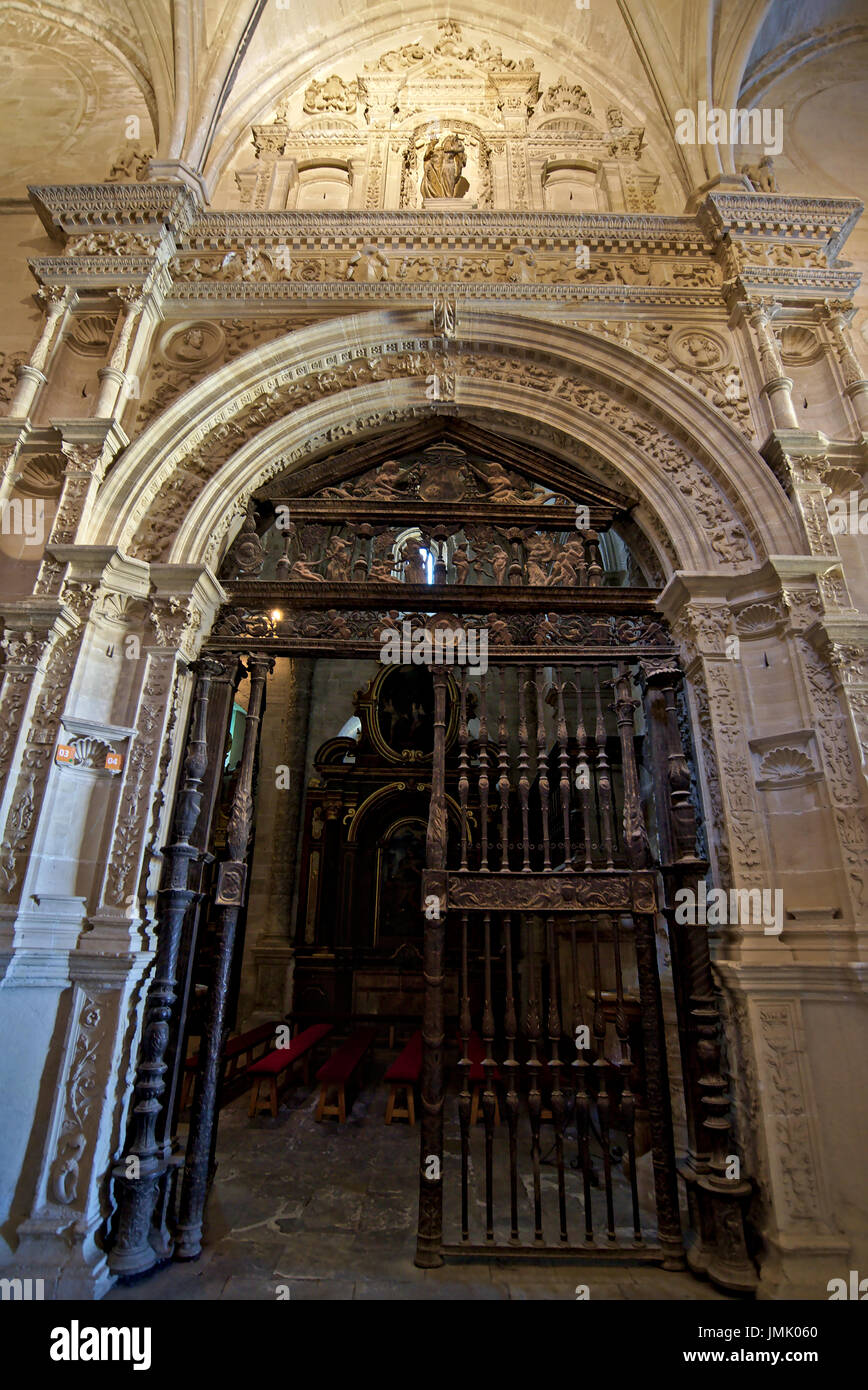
{"x": 322, "y": 1211}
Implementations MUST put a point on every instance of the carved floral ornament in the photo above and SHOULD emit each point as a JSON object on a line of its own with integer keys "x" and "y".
{"x": 183, "y": 477}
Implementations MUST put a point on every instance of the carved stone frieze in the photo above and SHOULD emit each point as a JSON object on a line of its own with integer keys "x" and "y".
{"x": 176, "y": 621}
{"x": 816, "y": 522}
{"x": 36, "y": 757}
{"x": 699, "y": 356}
{"x": 80, "y": 1095}
{"x": 786, "y": 1111}
{"x": 831, "y": 725}
{"x": 24, "y": 648}
{"x": 852, "y": 827}
{"x": 190, "y": 350}
{"x": 169, "y": 497}
{"x": 727, "y": 769}
{"x": 142, "y": 785}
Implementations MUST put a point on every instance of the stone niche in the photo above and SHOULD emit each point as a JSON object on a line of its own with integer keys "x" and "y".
{"x": 572, "y": 185}
{"x": 323, "y": 186}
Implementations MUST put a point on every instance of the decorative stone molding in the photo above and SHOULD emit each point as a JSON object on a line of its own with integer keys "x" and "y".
{"x": 26, "y": 638}
{"x": 37, "y": 754}
{"x": 273, "y": 397}
{"x": 785, "y": 760}
{"x": 793, "y": 1151}
{"x": 92, "y": 743}
{"x": 759, "y": 619}
{"x": 143, "y": 789}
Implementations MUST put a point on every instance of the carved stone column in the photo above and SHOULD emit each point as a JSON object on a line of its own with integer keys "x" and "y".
{"x": 112, "y": 376}
{"x": 834, "y": 314}
{"x": 777, "y": 387}
{"x": 229, "y": 897}
{"x": 25, "y": 644}
{"x": 738, "y": 854}
{"x": 808, "y": 491}
{"x": 31, "y": 376}
{"x": 765, "y": 981}
{"x": 836, "y": 673}
{"x": 23, "y": 806}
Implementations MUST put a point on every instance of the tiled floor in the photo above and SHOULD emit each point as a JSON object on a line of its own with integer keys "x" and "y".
{"x": 322, "y": 1211}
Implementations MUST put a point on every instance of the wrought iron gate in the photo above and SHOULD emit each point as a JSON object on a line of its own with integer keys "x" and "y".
{"x": 549, "y": 886}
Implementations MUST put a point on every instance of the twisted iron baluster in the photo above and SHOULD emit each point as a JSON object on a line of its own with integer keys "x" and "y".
{"x": 523, "y": 778}
{"x": 564, "y": 768}
{"x": 542, "y": 770}
{"x": 511, "y": 1066}
{"x": 558, "y": 1105}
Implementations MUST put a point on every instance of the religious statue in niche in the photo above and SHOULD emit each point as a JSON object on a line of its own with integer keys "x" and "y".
{"x": 443, "y": 162}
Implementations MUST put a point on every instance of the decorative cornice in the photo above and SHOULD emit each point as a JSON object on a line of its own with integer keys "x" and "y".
{"x": 322, "y": 292}
{"x": 825, "y": 221}
{"x": 69, "y": 209}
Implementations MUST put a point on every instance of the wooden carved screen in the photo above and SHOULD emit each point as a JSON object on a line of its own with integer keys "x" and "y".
{"x": 547, "y": 888}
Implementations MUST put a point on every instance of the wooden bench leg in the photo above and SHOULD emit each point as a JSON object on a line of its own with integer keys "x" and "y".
{"x": 342, "y": 1105}
{"x": 411, "y": 1105}
{"x": 323, "y": 1091}
{"x": 390, "y": 1103}
{"x": 254, "y": 1098}
{"x": 274, "y": 1097}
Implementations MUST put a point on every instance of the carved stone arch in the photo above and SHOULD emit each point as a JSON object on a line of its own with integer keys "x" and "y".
{"x": 210, "y": 516}
{"x": 234, "y": 430}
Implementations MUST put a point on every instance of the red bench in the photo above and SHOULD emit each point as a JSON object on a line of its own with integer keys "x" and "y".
{"x": 338, "y": 1071}
{"x": 280, "y": 1060}
{"x": 402, "y": 1075}
{"x": 244, "y": 1045}
{"x": 476, "y": 1076}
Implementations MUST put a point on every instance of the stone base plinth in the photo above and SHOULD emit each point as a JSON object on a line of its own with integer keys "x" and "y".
{"x": 447, "y": 205}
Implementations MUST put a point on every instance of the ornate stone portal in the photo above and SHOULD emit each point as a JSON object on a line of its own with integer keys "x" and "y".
{"x": 373, "y": 363}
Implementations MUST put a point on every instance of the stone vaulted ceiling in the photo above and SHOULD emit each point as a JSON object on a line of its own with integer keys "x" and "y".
{"x": 198, "y": 73}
